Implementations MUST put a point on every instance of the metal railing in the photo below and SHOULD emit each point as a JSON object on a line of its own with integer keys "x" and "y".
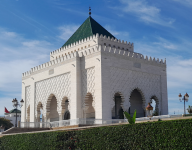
{"x": 158, "y": 117}
{"x": 86, "y": 122}
{"x": 83, "y": 121}
{"x": 35, "y": 125}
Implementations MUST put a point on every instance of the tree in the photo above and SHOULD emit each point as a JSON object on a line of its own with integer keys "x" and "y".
{"x": 5, "y": 123}
{"x": 189, "y": 109}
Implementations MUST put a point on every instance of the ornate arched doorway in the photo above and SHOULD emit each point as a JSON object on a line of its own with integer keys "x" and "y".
{"x": 65, "y": 108}
{"x": 117, "y": 111}
{"x": 52, "y": 107}
{"x": 67, "y": 115}
{"x": 39, "y": 112}
{"x": 136, "y": 102}
{"x": 89, "y": 111}
{"x": 155, "y": 104}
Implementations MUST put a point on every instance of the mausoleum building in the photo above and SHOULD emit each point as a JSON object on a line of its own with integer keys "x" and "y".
{"x": 94, "y": 75}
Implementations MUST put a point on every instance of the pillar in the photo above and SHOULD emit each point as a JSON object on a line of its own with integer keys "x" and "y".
{"x": 75, "y": 99}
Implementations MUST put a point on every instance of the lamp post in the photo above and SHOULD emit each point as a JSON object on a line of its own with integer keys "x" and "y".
{"x": 149, "y": 110}
{"x": 15, "y": 104}
{"x": 185, "y": 98}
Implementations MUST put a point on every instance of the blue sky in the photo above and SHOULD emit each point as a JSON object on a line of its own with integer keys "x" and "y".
{"x": 31, "y": 29}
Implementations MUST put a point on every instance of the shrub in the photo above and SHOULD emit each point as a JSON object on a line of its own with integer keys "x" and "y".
{"x": 5, "y": 123}
{"x": 174, "y": 134}
{"x": 130, "y": 120}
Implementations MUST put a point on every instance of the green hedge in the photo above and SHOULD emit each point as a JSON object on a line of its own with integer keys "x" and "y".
{"x": 151, "y": 135}
{"x": 188, "y": 115}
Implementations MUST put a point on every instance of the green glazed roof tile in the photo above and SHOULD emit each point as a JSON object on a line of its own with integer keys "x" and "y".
{"x": 13, "y": 111}
{"x": 89, "y": 28}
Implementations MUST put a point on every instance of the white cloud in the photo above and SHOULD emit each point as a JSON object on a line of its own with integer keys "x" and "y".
{"x": 67, "y": 31}
{"x": 179, "y": 67}
{"x": 10, "y": 77}
{"x": 35, "y": 43}
{"x": 120, "y": 34}
{"x": 184, "y": 2}
{"x": 179, "y": 72}
{"x": 145, "y": 12}
{"x": 140, "y": 7}
{"x": 165, "y": 43}
{"x": 8, "y": 34}
{"x": 19, "y": 55}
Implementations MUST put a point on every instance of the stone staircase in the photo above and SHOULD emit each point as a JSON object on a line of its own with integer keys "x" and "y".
{"x": 21, "y": 130}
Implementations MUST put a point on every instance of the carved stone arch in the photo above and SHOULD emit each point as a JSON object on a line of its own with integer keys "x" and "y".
{"x": 89, "y": 108}
{"x": 157, "y": 103}
{"x": 118, "y": 105}
{"x": 47, "y": 110}
{"x": 63, "y": 107}
{"x": 122, "y": 99}
{"x": 142, "y": 96}
{"x": 86, "y": 100}
{"x": 38, "y": 112}
{"x": 39, "y": 106}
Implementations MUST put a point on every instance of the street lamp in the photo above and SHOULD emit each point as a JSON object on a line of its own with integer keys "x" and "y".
{"x": 185, "y": 98}
{"x": 15, "y": 104}
{"x": 149, "y": 110}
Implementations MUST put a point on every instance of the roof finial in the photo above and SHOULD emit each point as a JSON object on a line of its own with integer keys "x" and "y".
{"x": 89, "y": 11}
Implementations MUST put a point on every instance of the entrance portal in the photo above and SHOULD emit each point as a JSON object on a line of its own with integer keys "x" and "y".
{"x": 54, "y": 116}
{"x": 136, "y": 104}
{"x": 39, "y": 112}
{"x": 117, "y": 112}
{"x": 90, "y": 111}
{"x": 67, "y": 115}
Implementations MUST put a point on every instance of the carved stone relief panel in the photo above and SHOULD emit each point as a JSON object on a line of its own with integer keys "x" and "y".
{"x": 88, "y": 84}
{"x": 58, "y": 86}
{"x": 27, "y": 97}
{"x": 125, "y": 81}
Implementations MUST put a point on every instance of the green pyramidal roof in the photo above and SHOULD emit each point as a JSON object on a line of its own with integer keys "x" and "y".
{"x": 13, "y": 111}
{"x": 89, "y": 28}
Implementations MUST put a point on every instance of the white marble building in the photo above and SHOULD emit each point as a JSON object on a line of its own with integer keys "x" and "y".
{"x": 12, "y": 116}
{"x": 93, "y": 75}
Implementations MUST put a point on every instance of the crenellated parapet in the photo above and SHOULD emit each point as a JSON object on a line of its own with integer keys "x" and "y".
{"x": 97, "y": 39}
{"x": 50, "y": 63}
{"x": 132, "y": 55}
{"x": 94, "y": 49}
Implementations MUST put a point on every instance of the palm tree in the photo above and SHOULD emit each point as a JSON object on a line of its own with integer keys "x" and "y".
{"x": 189, "y": 109}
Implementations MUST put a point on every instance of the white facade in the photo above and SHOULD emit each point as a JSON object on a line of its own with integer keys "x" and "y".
{"x": 1, "y": 129}
{"x": 91, "y": 74}
{"x": 12, "y": 117}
